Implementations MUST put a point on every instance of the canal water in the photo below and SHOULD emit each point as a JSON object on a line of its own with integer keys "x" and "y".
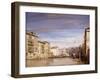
{"x": 52, "y": 62}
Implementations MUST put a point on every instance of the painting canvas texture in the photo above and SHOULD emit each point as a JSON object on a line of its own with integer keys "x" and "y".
{"x": 54, "y": 39}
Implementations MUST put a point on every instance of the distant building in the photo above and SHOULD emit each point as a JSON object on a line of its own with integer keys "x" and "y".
{"x": 55, "y": 51}
{"x": 65, "y": 52}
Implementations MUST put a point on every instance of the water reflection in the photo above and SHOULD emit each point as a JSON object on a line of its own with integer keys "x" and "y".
{"x": 52, "y": 62}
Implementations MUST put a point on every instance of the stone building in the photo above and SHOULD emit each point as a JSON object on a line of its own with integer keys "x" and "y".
{"x": 87, "y": 44}
{"x": 31, "y": 45}
{"x": 40, "y": 49}
{"x": 85, "y": 55}
{"x": 46, "y": 49}
{"x": 36, "y": 49}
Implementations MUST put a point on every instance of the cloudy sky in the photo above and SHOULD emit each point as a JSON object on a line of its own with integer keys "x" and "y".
{"x": 62, "y": 30}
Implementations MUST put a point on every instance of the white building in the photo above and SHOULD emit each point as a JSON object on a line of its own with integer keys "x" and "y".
{"x": 65, "y": 52}
{"x": 55, "y": 51}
